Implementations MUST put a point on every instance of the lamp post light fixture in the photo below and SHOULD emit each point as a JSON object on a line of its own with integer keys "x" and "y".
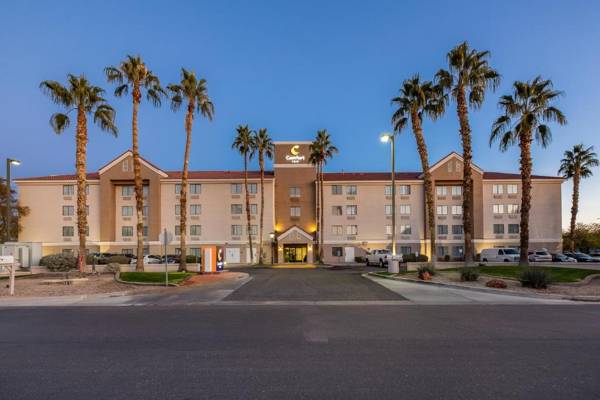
{"x": 9, "y": 163}
{"x": 390, "y": 137}
{"x": 272, "y": 236}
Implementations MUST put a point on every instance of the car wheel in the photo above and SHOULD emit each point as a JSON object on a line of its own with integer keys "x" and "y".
{"x": 506, "y": 260}
{"x": 368, "y": 263}
{"x": 484, "y": 260}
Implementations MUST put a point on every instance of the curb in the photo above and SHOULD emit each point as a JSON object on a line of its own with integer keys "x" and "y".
{"x": 117, "y": 279}
{"x": 490, "y": 290}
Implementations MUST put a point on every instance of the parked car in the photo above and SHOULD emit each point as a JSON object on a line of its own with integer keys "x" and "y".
{"x": 580, "y": 257}
{"x": 148, "y": 260}
{"x": 594, "y": 253}
{"x": 379, "y": 257}
{"x": 560, "y": 257}
{"x": 540, "y": 256}
{"x": 499, "y": 255}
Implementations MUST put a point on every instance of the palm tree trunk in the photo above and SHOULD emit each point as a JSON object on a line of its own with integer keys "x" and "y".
{"x": 525, "y": 145}
{"x": 261, "y": 162}
{"x": 427, "y": 183}
{"x": 321, "y": 236}
{"x": 248, "y": 207}
{"x": 465, "y": 134}
{"x": 80, "y": 166}
{"x": 574, "y": 210}
{"x": 318, "y": 205}
{"x": 137, "y": 174}
{"x": 189, "y": 119}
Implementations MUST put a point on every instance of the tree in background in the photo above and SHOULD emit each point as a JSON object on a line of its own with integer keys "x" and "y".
{"x": 525, "y": 114}
{"x": 16, "y": 212}
{"x": 85, "y": 100}
{"x": 466, "y": 80}
{"x": 263, "y": 147}
{"x": 417, "y": 99}
{"x": 577, "y": 164}
{"x": 585, "y": 236}
{"x": 193, "y": 91}
{"x": 133, "y": 75}
{"x": 315, "y": 156}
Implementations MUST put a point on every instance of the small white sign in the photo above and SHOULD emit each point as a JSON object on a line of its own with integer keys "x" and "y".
{"x": 7, "y": 259}
{"x": 165, "y": 239}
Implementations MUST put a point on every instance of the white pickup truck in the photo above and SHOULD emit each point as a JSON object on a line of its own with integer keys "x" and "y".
{"x": 379, "y": 257}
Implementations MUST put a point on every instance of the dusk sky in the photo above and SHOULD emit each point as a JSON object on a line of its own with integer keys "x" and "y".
{"x": 294, "y": 68}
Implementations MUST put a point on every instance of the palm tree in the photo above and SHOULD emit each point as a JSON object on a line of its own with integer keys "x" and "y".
{"x": 315, "y": 158}
{"x": 193, "y": 91}
{"x": 133, "y": 75}
{"x": 263, "y": 146}
{"x": 467, "y": 78}
{"x": 577, "y": 164}
{"x": 525, "y": 113}
{"x": 415, "y": 100}
{"x": 244, "y": 143}
{"x": 85, "y": 99}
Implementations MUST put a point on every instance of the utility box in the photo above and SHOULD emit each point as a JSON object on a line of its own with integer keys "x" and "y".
{"x": 212, "y": 259}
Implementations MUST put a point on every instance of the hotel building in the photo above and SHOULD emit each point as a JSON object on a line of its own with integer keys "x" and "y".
{"x": 357, "y": 210}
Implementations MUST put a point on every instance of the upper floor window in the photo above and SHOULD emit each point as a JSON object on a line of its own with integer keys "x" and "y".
{"x": 127, "y": 191}
{"x": 68, "y": 190}
{"x": 404, "y": 190}
{"x": 337, "y": 230}
{"x": 351, "y": 190}
{"x": 127, "y": 231}
{"x": 498, "y": 229}
{"x": 498, "y": 208}
{"x": 497, "y": 189}
{"x": 195, "y": 209}
{"x": 336, "y": 210}
{"x": 442, "y": 229}
{"x": 178, "y": 188}
{"x": 442, "y": 210}
{"x": 405, "y": 209}
{"x": 457, "y": 210}
{"x": 145, "y": 211}
{"x": 236, "y": 209}
{"x": 236, "y": 188}
{"x": 441, "y": 190}
{"x": 294, "y": 211}
{"x": 195, "y": 188}
{"x": 68, "y": 211}
{"x": 513, "y": 228}
{"x": 252, "y": 188}
{"x": 405, "y": 229}
{"x": 388, "y": 209}
{"x": 195, "y": 230}
{"x": 512, "y": 189}
{"x": 388, "y": 229}
{"x": 68, "y": 231}
{"x": 351, "y": 210}
{"x": 127, "y": 211}
{"x": 513, "y": 208}
{"x": 145, "y": 190}
{"x": 236, "y": 230}
{"x": 457, "y": 229}
{"x": 294, "y": 191}
{"x": 253, "y": 209}
{"x": 253, "y": 230}
{"x": 125, "y": 165}
{"x": 388, "y": 190}
{"x": 145, "y": 231}
{"x": 456, "y": 190}
{"x": 177, "y": 209}
{"x": 336, "y": 189}
{"x": 351, "y": 229}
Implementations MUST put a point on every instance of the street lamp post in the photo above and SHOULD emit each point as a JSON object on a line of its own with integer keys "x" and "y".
{"x": 272, "y": 236}
{"x": 9, "y": 162}
{"x": 389, "y": 137}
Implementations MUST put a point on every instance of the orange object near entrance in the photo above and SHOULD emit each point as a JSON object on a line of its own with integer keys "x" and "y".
{"x": 212, "y": 259}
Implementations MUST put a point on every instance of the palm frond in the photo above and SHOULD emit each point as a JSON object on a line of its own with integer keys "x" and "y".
{"x": 59, "y": 122}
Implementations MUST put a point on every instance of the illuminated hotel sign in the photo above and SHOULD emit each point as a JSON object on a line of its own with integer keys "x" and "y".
{"x": 295, "y": 157}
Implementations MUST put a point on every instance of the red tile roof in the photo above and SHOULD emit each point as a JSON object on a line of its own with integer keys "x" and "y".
{"x": 504, "y": 175}
{"x": 369, "y": 176}
{"x": 219, "y": 174}
{"x": 90, "y": 176}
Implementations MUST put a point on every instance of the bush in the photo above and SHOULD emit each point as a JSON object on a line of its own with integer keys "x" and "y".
{"x": 496, "y": 283}
{"x": 113, "y": 267}
{"x": 426, "y": 268}
{"x": 469, "y": 274}
{"x": 412, "y": 257}
{"x": 360, "y": 260}
{"x": 535, "y": 278}
{"x": 118, "y": 259}
{"x": 59, "y": 262}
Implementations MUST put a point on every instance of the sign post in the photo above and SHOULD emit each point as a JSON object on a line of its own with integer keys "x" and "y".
{"x": 165, "y": 238}
{"x": 9, "y": 262}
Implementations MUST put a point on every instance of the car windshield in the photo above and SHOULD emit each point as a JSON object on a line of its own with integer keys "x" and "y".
{"x": 510, "y": 251}
{"x": 541, "y": 253}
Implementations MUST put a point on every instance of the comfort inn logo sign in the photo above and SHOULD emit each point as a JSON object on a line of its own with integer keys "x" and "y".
{"x": 295, "y": 157}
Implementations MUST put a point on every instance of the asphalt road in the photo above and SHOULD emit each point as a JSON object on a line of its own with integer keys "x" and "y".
{"x": 301, "y": 352}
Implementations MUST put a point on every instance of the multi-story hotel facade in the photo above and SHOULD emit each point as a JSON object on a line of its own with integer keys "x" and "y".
{"x": 357, "y": 210}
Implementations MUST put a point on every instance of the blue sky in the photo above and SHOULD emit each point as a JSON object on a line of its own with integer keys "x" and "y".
{"x": 294, "y": 68}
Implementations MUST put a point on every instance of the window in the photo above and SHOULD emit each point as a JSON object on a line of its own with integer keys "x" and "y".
{"x": 457, "y": 210}
{"x": 146, "y": 250}
{"x": 388, "y": 229}
{"x": 512, "y": 189}
{"x": 177, "y": 209}
{"x": 195, "y": 209}
{"x": 125, "y": 165}
{"x": 68, "y": 211}
{"x": 442, "y": 210}
{"x": 145, "y": 211}
{"x": 498, "y": 229}
{"x": 388, "y": 209}
{"x": 294, "y": 211}
{"x": 336, "y": 189}
{"x": 441, "y": 190}
{"x": 337, "y": 230}
{"x": 178, "y": 188}
{"x": 145, "y": 190}
{"x": 457, "y": 229}
{"x": 405, "y": 249}
{"x": 442, "y": 229}
{"x": 513, "y": 228}
{"x": 195, "y": 230}
{"x": 68, "y": 231}
{"x": 195, "y": 188}
{"x": 87, "y": 230}
{"x": 405, "y": 209}
{"x": 253, "y": 209}
{"x": 388, "y": 190}
{"x": 337, "y": 252}
{"x": 351, "y": 190}
{"x": 195, "y": 251}
{"x": 145, "y": 231}
{"x": 127, "y": 251}
{"x": 236, "y": 188}
{"x": 442, "y": 251}
{"x": 513, "y": 209}
{"x": 236, "y": 230}
{"x": 252, "y": 188}
{"x": 127, "y": 211}
{"x": 404, "y": 190}
{"x": 457, "y": 251}
{"x": 351, "y": 229}
{"x": 497, "y": 189}
{"x": 236, "y": 208}
{"x": 294, "y": 191}
{"x": 351, "y": 210}
{"x": 253, "y": 230}
{"x": 456, "y": 190}
{"x": 336, "y": 210}
{"x": 68, "y": 190}
{"x": 177, "y": 230}
{"x": 498, "y": 208}
{"x": 127, "y": 191}
{"x": 405, "y": 230}
{"x": 127, "y": 231}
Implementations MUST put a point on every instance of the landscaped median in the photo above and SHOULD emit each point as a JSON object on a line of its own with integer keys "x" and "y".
{"x": 153, "y": 278}
{"x": 570, "y": 283}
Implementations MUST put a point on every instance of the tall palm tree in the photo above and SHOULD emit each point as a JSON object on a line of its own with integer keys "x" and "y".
{"x": 194, "y": 92}
{"x": 264, "y": 147}
{"x": 133, "y": 75}
{"x": 525, "y": 114}
{"x": 244, "y": 143}
{"x": 86, "y": 100}
{"x": 468, "y": 77}
{"x": 577, "y": 164}
{"x": 315, "y": 156}
{"x": 417, "y": 99}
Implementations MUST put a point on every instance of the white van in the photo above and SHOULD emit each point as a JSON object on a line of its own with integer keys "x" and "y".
{"x": 499, "y": 255}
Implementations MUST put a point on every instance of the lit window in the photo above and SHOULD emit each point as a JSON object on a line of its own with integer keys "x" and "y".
{"x": 195, "y": 188}
{"x": 513, "y": 208}
{"x": 68, "y": 211}
{"x": 195, "y": 209}
{"x": 68, "y": 231}
{"x": 498, "y": 208}
{"x": 351, "y": 210}
{"x": 498, "y": 189}
{"x": 441, "y": 190}
{"x": 336, "y": 210}
{"x": 337, "y": 230}
{"x": 442, "y": 229}
{"x": 404, "y": 190}
{"x": 405, "y": 229}
{"x": 388, "y": 229}
{"x": 195, "y": 230}
{"x": 294, "y": 191}
{"x": 236, "y": 209}
{"x": 388, "y": 209}
{"x": 127, "y": 231}
{"x": 442, "y": 210}
{"x": 456, "y": 190}
{"x": 336, "y": 189}
{"x": 512, "y": 189}
{"x": 405, "y": 209}
{"x": 294, "y": 211}
{"x": 351, "y": 190}
{"x": 68, "y": 190}
{"x": 457, "y": 210}
{"x": 351, "y": 229}
{"x": 236, "y": 188}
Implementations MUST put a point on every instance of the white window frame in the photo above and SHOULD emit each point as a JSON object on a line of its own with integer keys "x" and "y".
{"x": 442, "y": 210}
{"x": 351, "y": 230}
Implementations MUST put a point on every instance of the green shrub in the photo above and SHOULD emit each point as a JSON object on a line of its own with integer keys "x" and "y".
{"x": 118, "y": 259}
{"x": 469, "y": 274}
{"x": 426, "y": 268}
{"x": 412, "y": 257}
{"x": 535, "y": 278}
{"x": 59, "y": 262}
{"x": 113, "y": 267}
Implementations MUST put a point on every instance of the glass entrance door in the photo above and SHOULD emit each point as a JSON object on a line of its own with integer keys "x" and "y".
{"x": 294, "y": 253}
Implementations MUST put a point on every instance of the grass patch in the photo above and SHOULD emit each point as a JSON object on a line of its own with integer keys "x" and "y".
{"x": 557, "y": 274}
{"x": 154, "y": 277}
